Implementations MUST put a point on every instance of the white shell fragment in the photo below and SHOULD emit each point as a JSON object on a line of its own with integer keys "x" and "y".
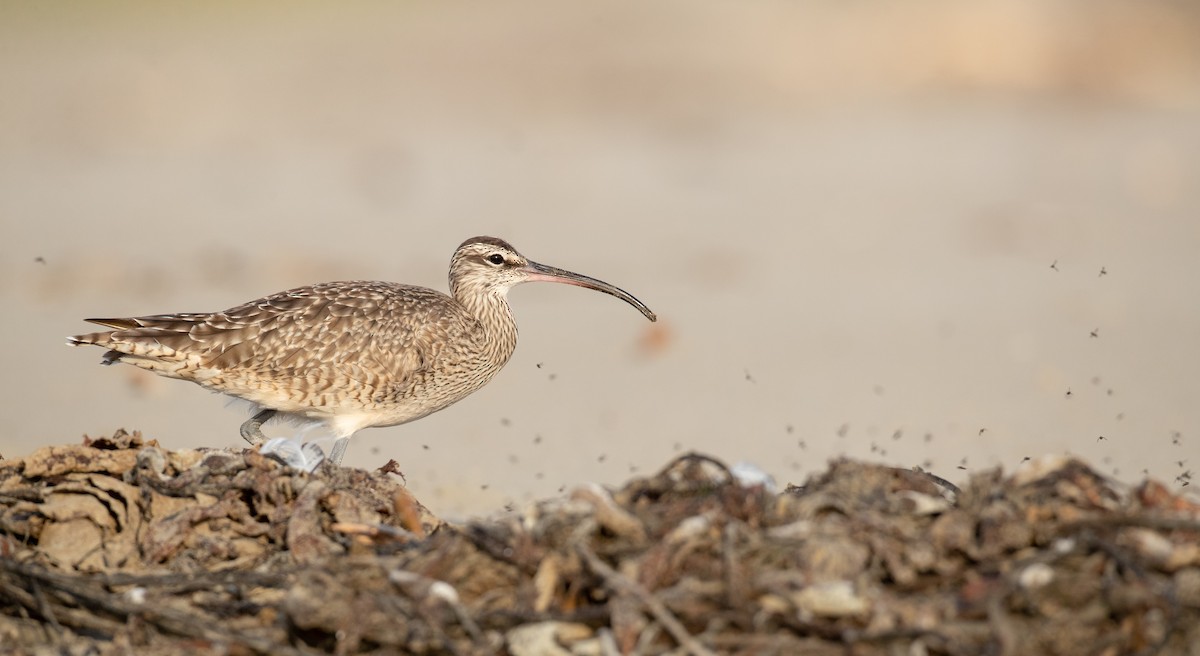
{"x": 1036, "y": 576}
{"x": 832, "y": 599}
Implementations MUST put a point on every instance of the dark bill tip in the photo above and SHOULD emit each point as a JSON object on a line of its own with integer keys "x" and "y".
{"x": 541, "y": 272}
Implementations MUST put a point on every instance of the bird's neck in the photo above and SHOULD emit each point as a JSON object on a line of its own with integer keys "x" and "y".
{"x": 490, "y": 308}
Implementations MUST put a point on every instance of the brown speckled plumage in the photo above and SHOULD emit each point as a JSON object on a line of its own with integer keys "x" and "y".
{"x": 353, "y": 354}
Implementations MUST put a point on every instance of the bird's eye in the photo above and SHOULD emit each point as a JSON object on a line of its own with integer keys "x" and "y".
{"x": 496, "y": 258}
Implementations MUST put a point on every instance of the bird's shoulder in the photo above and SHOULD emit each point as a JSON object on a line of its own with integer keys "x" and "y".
{"x": 344, "y": 297}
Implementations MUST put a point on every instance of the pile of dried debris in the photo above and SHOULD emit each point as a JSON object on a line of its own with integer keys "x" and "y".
{"x": 118, "y": 545}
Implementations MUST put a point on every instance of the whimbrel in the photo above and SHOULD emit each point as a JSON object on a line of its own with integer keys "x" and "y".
{"x": 349, "y": 355}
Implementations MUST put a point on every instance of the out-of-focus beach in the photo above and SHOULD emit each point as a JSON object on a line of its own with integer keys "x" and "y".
{"x": 938, "y": 234}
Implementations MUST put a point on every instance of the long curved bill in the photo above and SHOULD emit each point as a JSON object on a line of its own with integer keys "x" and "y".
{"x": 544, "y": 273}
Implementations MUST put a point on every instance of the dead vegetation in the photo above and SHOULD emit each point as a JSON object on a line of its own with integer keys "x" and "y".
{"x": 120, "y": 546}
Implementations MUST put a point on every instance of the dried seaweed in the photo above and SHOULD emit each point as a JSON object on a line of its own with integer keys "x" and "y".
{"x": 117, "y": 546}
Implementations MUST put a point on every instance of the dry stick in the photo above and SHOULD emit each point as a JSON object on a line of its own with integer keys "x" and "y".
{"x": 1119, "y": 521}
{"x": 656, "y": 607}
{"x": 608, "y": 643}
{"x": 74, "y": 617}
{"x": 1002, "y": 624}
{"x": 372, "y": 531}
{"x": 193, "y": 625}
{"x": 44, "y": 608}
{"x": 646, "y": 638}
{"x": 424, "y": 590}
{"x": 176, "y": 583}
{"x": 1166, "y": 591}
{"x": 728, "y": 544}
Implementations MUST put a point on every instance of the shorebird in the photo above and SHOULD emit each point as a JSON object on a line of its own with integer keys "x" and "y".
{"x": 348, "y": 355}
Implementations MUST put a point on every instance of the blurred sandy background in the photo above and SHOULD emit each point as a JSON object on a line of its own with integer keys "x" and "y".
{"x": 845, "y": 214}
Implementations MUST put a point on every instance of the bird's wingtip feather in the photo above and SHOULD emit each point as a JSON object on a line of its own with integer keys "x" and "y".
{"x": 119, "y": 324}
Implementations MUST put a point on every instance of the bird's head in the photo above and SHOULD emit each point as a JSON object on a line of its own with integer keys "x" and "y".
{"x": 491, "y": 266}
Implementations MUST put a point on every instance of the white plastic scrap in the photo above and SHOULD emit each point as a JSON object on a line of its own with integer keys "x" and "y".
{"x": 748, "y": 474}
{"x": 305, "y": 457}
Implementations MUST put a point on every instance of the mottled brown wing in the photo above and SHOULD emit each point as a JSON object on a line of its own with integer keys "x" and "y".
{"x": 377, "y": 334}
{"x": 369, "y": 332}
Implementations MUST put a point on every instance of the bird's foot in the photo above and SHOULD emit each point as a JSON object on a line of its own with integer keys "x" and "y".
{"x": 252, "y": 430}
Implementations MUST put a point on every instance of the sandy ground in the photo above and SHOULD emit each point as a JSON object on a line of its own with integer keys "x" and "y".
{"x": 845, "y": 215}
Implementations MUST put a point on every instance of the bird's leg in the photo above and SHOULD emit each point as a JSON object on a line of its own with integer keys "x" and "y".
{"x": 252, "y": 430}
{"x": 339, "y": 450}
